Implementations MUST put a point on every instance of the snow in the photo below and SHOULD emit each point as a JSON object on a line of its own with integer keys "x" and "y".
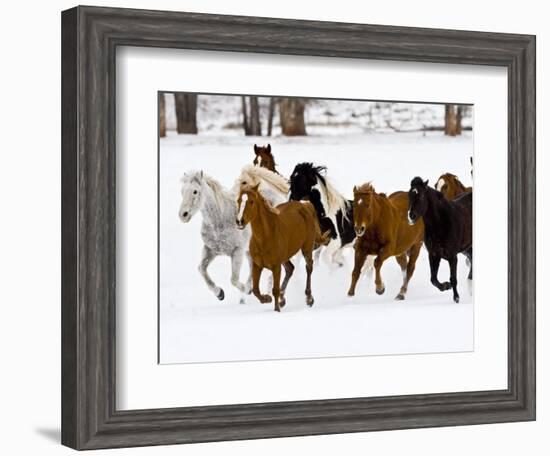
{"x": 196, "y": 327}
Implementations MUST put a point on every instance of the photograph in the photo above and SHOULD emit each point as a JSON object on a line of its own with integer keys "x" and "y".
{"x": 292, "y": 228}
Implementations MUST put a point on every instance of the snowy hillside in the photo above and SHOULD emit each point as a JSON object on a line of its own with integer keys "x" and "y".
{"x": 196, "y": 327}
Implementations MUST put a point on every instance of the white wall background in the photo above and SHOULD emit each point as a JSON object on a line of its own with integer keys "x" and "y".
{"x": 30, "y": 225}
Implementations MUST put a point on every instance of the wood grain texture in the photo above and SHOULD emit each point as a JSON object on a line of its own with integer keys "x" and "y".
{"x": 89, "y": 39}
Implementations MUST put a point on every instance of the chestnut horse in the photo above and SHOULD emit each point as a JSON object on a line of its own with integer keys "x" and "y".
{"x": 264, "y": 158}
{"x": 450, "y": 186}
{"x": 382, "y": 230}
{"x": 278, "y": 233}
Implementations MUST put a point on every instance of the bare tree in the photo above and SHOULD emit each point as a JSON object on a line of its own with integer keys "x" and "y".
{"x": 291, "y": 112}
{"x": 251, "y": 116}
{"x": 186, "y": 112}
{"x": 453, "y": 120}
{"x": 246, "y": 125}
{"x": 270, "y": 116}
{"x": 162, "y": 115}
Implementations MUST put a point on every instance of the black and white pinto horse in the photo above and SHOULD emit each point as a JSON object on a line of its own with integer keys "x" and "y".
{"x": 447, "y": 229}
{"x": 334, "y": 211}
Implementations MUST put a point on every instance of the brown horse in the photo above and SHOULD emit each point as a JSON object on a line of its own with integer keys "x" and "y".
{"x": 450, "y": 186}
{"x": 264, "y": 158}
{"x": 278, "y": 233}
{"x": 382, "y": 229}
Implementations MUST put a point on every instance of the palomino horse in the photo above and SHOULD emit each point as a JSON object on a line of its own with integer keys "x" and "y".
{"x": 448, "y": 228}
{"x": 272, "y": 186}
{"x": 264, "y": 158}
{"x": 334, "y": 212}
{"x": 382, "y": 230}
{"x": 218, "y": 230}
{"x": 450, "y": 186}
{"x": 278, "y": 233}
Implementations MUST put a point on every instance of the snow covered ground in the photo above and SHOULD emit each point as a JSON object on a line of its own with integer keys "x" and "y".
{"x": 196, "y": 327}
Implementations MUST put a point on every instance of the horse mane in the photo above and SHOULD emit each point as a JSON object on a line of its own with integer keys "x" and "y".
{"x": 274, "y": 180}
{"x": 367, "y": 188}
{"x": 455, "y": 178}
{"x": 252, "y": 188}
{"x": 220, "y": 193}
{"x": 335, "y": 200}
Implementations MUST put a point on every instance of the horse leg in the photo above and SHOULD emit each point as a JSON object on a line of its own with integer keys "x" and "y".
{"x": 380, "y": 288}
{"x": 360, "y": 257}
{"x": 468, "y": 254}
{"x": 309, "y": 269}
{"x": 289, "y": 270}
{"x": 402, "y": 261}
{"x": 236, "y": 263}
{"x": 452, "y": 265}
{"x": 207, "y": 257}
{"x": 276, "y": 283}
{"x": 434, "y": 268}
{"x": 256, "y": 273}
{"x": 414, "y": 251}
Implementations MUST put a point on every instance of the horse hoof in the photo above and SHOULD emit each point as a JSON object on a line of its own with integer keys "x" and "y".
{"x": 351, "y": 293}
{"x": 400, "y": 297}
{"x": 445, "y": 286}
{"x": 282, "y": 302}
{"x": 310, "y": 301}
{"x": 265, "y": 299}
{"x": 456, "y": 299}
{"x": 221, "y": 295}
{"x": 242, "y": 301}
{"x": 380, "y": 291}
{"x": 277, "y": 309}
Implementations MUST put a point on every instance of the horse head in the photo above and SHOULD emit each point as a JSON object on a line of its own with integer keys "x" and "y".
{"x": 248, "y": 203}
{"x": 191, "y": 195}
{"x": 418, "y": 200}
{"x": 264, "y": 157}
{"x": 363, "y": 210}
{"x": 302, "y": 180}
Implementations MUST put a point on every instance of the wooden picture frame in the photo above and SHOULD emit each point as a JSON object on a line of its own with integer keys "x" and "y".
{"x": 90, "y": 37}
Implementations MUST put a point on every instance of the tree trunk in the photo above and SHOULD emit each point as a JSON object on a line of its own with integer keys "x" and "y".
{"x": 270, "y": 116}
{"x": 246, "y": 125}
{"x": 459, "y": 112}
{"x": 451, "y": 121}
{"x": 162, "y": 115}
{"x": 291, "y": 112}
{"x": 255, "y": 125}
{"x": 186, "y": 112}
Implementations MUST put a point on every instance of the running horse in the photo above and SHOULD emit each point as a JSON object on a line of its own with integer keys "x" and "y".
{"x": 264, "y": 158}
{"x": 278, "y": 233}
{"x": 448, "y": 229}
{"x": 381, "y": 227}
{"x": 450, "y": 186}
{"x": 334, "y": 211}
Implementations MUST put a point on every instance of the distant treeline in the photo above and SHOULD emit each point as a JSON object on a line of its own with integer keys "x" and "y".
{"x": 257, "y": 116}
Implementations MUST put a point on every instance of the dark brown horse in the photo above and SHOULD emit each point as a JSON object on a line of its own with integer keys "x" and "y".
{"x": 264, "y": 158}
{"x": 450, "y": 186}
{"x": 278, "y": 233}
{"x": 382, "y": 229}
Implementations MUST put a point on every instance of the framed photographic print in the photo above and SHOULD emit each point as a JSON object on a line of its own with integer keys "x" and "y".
{"x": 270, "y": 227}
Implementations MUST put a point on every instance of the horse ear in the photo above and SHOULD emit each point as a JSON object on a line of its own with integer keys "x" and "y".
{"x": 354, "y": 188}
{"x": 255, "y": 149}
{"x": 202, "y": 174}
{"x": 269, "y": 147}
{"x": 426, "y": 182}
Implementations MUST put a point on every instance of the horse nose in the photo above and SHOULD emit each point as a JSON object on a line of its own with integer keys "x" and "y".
{"x": 185, "y": 214}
